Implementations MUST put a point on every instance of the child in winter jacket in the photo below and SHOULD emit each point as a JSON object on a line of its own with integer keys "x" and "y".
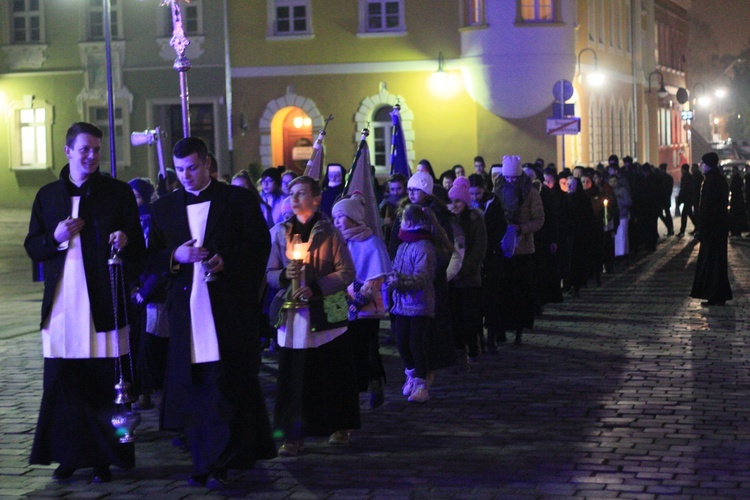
{"x": 413, "y": 294}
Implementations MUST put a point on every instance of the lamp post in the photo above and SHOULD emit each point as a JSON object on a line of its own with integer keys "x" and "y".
{"x": 110, "y": 94}
{"x": 595, "y": 78}
{"x": 662, "y": 92}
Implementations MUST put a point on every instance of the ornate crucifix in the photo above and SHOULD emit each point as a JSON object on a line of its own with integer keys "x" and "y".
{"x": 179, "y": 43}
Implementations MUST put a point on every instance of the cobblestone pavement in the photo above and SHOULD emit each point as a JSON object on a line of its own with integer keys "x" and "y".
{"x": 632, "y": 391}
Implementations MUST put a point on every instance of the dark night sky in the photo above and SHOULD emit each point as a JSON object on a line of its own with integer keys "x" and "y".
{"x": 728, "y": 22}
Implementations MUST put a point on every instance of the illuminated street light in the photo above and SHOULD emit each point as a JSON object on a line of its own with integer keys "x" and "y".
{"x": 596, "y": 77}
{"x": 662, "y": 92}
{"x": 720, "y": 93}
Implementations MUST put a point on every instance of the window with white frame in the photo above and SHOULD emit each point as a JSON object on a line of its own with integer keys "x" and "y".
{"x": 381, "y": 137}
{"x": 27, "y": 21}
{"x": 95, "y": 19}
{"x": 474, "y": 12}
{"x": 192, "y": 18}
{"x": 291, "y": 17}
{"x": 382, "y": 15}
{"x": 99, "y": 116}
{"x": 539, "y": 11}
{"x": 30, "y": 135}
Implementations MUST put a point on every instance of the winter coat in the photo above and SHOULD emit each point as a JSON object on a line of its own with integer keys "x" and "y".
{"x": 531, "y": 218}
{"x": 475, "y": 234}
{"x": 413, "y": 292}
{"x": 328, "y": 266}
{"x": 107, "y": 205}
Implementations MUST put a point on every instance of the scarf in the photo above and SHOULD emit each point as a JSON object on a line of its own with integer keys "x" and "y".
{"x": 357, "y": 233}
{"x": 512, "y": 196}
{"x": 413, "y": 236}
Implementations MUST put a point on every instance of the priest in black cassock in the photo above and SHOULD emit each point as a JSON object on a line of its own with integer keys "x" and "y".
{"x": 213, "y": 240}
{"x": 75, "y": 222}
{"x": 711, "y": 280}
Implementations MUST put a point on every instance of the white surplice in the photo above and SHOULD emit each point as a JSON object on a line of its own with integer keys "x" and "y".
{"x": 69, "y": 332}
{"x": 204, "y": 344}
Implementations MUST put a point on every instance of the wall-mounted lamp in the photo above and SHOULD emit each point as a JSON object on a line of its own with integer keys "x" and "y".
{"x": 595, "y": 78}
{"x": 700, "y": 97}
{"x": 440, "y": 74}
{"x": 662, "y": 92}
{"x": 441, "y": 84}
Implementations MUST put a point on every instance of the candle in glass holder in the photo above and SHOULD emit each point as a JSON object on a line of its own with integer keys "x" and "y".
{"x": 606, "y": 202}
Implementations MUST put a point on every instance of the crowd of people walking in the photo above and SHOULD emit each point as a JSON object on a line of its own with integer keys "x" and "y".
{"x": 218, "y": 273}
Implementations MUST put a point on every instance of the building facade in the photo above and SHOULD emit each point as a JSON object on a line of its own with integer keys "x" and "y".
{"x": 472, "y": 77}
{"x": 53, "y": 73}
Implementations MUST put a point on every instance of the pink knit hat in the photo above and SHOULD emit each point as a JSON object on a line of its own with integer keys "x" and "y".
{"x": 460, "y": 191}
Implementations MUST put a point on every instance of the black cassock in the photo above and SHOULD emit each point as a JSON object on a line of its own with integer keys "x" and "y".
{"x": 711, "y": 280}
{"x": 219, "y": 404}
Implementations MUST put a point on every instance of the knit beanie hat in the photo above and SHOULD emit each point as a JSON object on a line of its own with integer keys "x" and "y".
{"x": 422, "y": 181}
{"x": 460, "y": 191}
{"x": 711, "y": 159}
{"x": 144, "y": 187}
{"x": 512, "y": 166}
{"x": 352, "y": 208}
{"x": 274, "y": 173}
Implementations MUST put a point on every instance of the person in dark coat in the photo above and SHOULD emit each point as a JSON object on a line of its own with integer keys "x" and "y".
{"x": 667, "y": 186}
{"x": 546, "y": 267}
{"x": 685, "y": 198}
{"x": 75, "y": 223}
{"x": 214, "y": 240}
{"x": 492, "y": 265}
{"x": 737, "y": 211}
{"x": 711, "y": 280}
{"x": 695, "y": 173}
{"x": 585, "y": 227}
{"x": 333, "y": 186}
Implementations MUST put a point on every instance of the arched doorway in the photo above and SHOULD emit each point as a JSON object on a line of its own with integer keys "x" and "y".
{"x": 291, "y": 138}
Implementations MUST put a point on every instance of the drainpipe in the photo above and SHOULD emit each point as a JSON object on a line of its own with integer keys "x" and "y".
{"x": 228, "y": 88}
{"x": 634, "y": 8}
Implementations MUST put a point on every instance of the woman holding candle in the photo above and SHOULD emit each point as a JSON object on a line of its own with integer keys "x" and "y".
{"x": 316, "y": 386}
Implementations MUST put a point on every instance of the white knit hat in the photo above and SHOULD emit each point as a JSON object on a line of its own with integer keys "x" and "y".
{"x": 422, "y": 181}
{"x": 352, "y": 207}
{"x": 512, "y": 166}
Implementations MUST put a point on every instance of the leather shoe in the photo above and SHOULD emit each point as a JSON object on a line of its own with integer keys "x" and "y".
{"x": 217, "y": 479}
{"x": 709, "y": 303}
{"x": 198, "y": 480}
{"x": 102, "y": 475}
{"x": 63, "y": 472}
{"x": 291, "y": 448}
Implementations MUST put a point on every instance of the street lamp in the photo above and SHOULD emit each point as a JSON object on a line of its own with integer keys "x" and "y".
{"x": 595, "y": 78}
{"x": 662, "y": 92}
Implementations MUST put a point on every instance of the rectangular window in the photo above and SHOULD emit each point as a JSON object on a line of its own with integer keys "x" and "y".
{"x": 96, "y": 19}
{"x": 99, "y": 116}
{"x": 291, "y": 17}
{"x": 537, "y": 11}
{"x": 474, "y": 12}
{"x": 384, "y": 15}
{"x": 33, "y": 134}
{"x": 27, "y": 21}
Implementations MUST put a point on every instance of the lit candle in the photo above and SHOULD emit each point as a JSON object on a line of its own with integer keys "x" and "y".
{"x": 606, "y": 202}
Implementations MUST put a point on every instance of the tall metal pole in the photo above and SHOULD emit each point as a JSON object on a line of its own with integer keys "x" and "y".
{"x": 110, "y": 97}
{"x": 179, "y": 43}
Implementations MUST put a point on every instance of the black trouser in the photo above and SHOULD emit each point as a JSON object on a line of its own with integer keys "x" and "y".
{"x": 666, "y": 217}
{"x": 467, "y": 318}
{"x": 410, "y": 335}
{"x": 687, "y": 211}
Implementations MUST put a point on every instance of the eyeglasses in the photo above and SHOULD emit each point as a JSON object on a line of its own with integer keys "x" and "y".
{"x": 412, "y": 190}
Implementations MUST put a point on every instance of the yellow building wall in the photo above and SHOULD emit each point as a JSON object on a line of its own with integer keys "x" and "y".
{"x": 431, "y": 26}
